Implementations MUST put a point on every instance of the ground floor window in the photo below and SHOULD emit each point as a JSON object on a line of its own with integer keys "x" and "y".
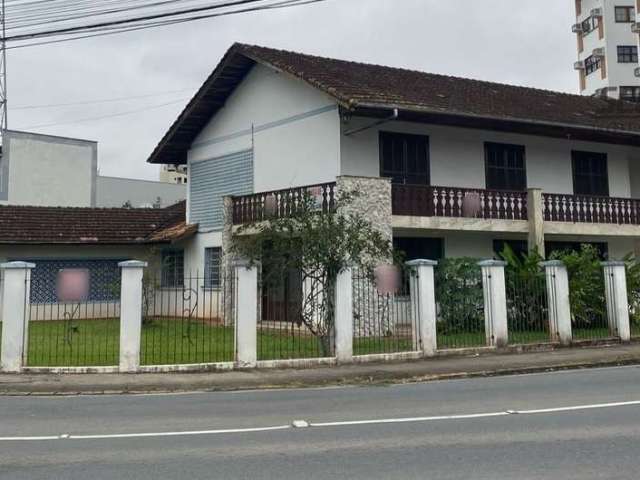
{"x": 172, "y": 269}
{"x": 104, "y": 278}
{"x": 212, "y": 267}
{"x": 415, "y": 248}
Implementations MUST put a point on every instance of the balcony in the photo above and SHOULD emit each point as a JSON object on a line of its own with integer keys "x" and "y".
{"x": 455, "y": 202}
{"x": 281, "y": 203}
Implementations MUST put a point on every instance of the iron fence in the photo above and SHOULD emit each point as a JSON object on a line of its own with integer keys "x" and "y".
{"x": 187, "y": 320}
{"x": 588, "y": 305}
{"x": 383, "y": 322}
{"x": 296, "y": 315}
{"x": 69, "y": 333}
{"x": 460, "y": 304}
{"x": 527, "y": 306}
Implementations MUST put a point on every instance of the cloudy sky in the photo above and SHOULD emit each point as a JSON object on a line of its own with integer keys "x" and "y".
{"x": 524, "y": 42}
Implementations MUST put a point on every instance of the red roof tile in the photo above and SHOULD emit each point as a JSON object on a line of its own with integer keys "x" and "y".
{"x": 114, "y": 226}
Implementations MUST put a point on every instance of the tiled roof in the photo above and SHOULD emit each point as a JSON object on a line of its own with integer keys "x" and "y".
{"x": 371, "y": 89}
{"x": 88, "y": 226}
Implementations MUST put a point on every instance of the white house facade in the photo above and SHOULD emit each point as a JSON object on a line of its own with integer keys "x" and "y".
{"x": 461, "y": 166}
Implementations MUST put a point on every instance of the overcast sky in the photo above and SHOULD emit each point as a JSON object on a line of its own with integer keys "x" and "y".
{"x": 523, "y": 42}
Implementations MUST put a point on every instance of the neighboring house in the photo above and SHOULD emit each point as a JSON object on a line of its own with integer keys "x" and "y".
{"x": 173, "y": 174}
{"x": 449, "y": 166}
{"x": 96, "y": 239}
{"x": 44, "y": 170}
{"x": 607, "y": 33}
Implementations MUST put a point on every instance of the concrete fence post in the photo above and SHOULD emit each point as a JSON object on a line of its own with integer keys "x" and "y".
{"x": 344, "y": 316}
{"x": 557, "y": 280}
{"x": 495, "y": 302}
{"x": 615, "y": 287}
{"x": 246, "y": 309}
{"x": 131, "y": 314}
{"x": 15, "y": 324}
{"x": 423, "y": 303}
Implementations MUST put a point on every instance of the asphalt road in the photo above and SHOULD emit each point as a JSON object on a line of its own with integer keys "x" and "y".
{"x": 465, "y": 429}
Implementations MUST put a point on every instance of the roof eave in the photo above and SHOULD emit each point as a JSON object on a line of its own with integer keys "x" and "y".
{"x": 517, "y": 125}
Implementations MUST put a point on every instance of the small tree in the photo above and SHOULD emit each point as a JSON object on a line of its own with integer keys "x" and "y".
{"x": 318, "y": 245}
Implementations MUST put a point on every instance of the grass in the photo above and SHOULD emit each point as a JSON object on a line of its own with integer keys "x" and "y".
{"x": 635, "y": 329}
{"x": 595, "y": 333}
{"x": 170, "y": 341}
{"x": 461, "y": 340}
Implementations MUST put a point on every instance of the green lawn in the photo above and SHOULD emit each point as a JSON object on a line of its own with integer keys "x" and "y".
{"x": 461, "y": 340}
{"x": 596, "y": 333}
{"x": 521, "y": 338}
{"x": 170, "y": 341}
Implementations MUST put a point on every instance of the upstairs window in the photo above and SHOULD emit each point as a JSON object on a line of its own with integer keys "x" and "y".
{"x": 630, "y": 94}
{"x": 589, "y": 25}
{"x": 625, "y": 14}
{"x": 404, "y": 158}
{"x": 212, "y": 267}
{"x": 627, "y": 54}
{"x": 172, "y": 275}
{"x": 590, "y": 174}
{"x": 591, "y": 64}
{"x": 505, "y": 167}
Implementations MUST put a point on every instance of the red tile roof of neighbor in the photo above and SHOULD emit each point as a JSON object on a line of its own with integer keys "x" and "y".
{"x": 91, "y": 226}
{"x": 374, "y": 90}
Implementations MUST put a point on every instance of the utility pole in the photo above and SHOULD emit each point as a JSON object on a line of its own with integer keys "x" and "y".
{"x": 3, "y": 72}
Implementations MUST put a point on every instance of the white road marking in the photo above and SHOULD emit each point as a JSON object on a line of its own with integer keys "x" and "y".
{"x": 578, "y": 407}
{"x": 68, "y": 437}
{"x": 178, "y": 434}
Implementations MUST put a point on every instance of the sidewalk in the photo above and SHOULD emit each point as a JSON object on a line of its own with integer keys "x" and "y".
{"x": 379, "y": 373}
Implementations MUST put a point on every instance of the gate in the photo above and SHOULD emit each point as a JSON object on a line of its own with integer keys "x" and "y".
{"x": 527, "y": 306}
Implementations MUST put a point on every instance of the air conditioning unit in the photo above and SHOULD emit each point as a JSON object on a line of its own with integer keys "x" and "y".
{"x": 577, "y": 28}
{"x": 596, "y": 12}
{"x": 598, "y": 52}
{"x": 636, "y": 71}
{"x": 635, "y": 27}
{"x": 579, "y": 65}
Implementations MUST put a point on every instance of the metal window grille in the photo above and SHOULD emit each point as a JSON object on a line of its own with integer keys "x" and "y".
{"x": 212, "y": 267}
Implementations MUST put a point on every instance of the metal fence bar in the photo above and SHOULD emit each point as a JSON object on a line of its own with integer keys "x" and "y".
{"x": 460, "y": 304}
{"x": 527, "y": 307}
{"x": 383, "y": 322}
{"x": 589, "y": 310}
{"x": 185, "y": 323}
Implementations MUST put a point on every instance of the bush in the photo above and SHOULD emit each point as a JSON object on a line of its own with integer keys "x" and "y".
{"x": 459, "y": 296}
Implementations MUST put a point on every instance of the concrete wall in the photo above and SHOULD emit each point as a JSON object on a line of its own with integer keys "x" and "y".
{"x": 292, "y": 128}
{"x": 457, "y": 156}
{"x": 115, "y": 192}
{"x": 42, "y": 170}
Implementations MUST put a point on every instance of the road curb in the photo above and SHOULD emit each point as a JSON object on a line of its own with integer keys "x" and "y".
{"x": 212, "y": 384}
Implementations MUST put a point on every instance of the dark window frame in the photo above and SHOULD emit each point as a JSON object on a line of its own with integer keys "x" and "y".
{"x": 630, "y": 93}
{"x": 591, "y": 24}
{"x": 594, "y": 189}
{"x": 628, "y": 14}
{"x": 172, "y": 269}
{"x": 627, "y": 53}
{"x": 592, "y": 64}
{"x": 490, "y": 179}
{"x": 403, "y": 176}
{"x": 212, "y": 270}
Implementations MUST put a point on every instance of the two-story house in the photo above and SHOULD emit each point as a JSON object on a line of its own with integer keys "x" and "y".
{"x": 449, "y": 166}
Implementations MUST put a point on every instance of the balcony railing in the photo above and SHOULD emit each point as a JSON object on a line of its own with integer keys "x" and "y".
{"x": 281, "y": 203}
{"x": 590, "y": 209}
{"x": 429, "y": 201}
